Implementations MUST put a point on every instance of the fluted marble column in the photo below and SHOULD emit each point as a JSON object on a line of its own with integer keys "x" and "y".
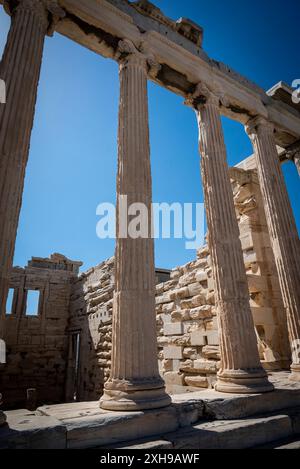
{"x": 134, "y": 383}
{"x": 241, "y": 370}
{"x": 282, "y": 228}
{"x": 20, "y": 69}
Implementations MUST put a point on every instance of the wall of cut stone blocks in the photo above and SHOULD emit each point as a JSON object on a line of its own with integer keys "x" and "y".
{"x": 186, "y": 311}
{"x": 36, "y": 345}
{"x": 91, "y": 303}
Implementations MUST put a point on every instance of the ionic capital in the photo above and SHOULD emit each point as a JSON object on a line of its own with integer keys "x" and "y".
{"x": 129, "y": 54}
{"x": 48, "y": 12}
{"x": 258, "y": 125}
{"x": 203, "y": 96}
{"x": 153, "y": 65}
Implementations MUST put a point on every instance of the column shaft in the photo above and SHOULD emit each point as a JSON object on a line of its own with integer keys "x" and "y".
{"x": 282, "y": 229}
{"x": 20, "y": 69}
{"x": 241, "y": 370}
{"x": 135, "y": 382}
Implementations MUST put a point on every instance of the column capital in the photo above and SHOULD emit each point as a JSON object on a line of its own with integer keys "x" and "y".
{"x": 258, "y": 124}
{"x": 48, "y": 12}
{"x": 129, "y": 54}
{"x": 203, "y": 96}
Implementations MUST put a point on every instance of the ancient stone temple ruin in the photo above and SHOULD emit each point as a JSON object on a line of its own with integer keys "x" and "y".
{"x": 110, "y": 352}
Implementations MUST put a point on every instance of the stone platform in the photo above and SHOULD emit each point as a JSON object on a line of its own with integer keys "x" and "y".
{"x": 204, "y": 419}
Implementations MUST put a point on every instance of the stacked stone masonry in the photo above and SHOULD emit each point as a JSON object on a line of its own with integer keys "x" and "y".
{"x": 36, "y": 345}
{"x": 65, "y": 352}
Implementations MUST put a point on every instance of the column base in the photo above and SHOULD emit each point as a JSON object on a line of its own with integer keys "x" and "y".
{"x": 126, "y": 396}
{"x": 295, "y": 373}
{"x": 252, "y": 381}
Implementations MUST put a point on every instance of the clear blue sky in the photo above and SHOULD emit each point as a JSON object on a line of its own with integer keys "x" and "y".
{"x": 73, "y": 155}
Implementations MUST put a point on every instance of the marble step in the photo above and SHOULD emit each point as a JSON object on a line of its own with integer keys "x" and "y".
{"x": 226, "y": 434}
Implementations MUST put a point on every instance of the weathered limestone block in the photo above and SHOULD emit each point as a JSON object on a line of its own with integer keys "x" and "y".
{"x": 163, "y": 341}
{"x": 183, "y": 315}
{"x": 203, "y": 252}
{"x": 212, "y": 322}
{"x": 187, "y": 366}
{"x": 197, "y": 381}
{"x": 168, "y": 307}
{"x": 201, "y": 312}
{"x": 167, "y": 365}
{"x": 195, "y": 289}
{"x": 210, "y": 284}
{"x": 159, "y": 320}
{"x": 198, "y": 300}
{"x": 198, "y": 338}
{"x": 165, "y": 298}
{"x": 201, "y": 366}
{"x": 98, "y": 300}
{"x": 183, "y": 341}
{"x": 190, "y": 352}
{"x": 176, "y": 365}
{"x": 212, "y": 337}
{"x": 159, "y": 289}
{"x": 201, "y": 276}
{"x": 169, "y": 285}
{"x": 103, "y": 363}
{"x": 104, "y": 355}
{"x": 180, "y": 293}
{"x": 210, "y": 298}
{"x": 211, "y": 352}
{"x": 187, "y": 279}
{"x": 173, "y": 352}
{"x": 175, "y": 274}
{"x": 174, "y": 328}
{"x": 172, "y": 378}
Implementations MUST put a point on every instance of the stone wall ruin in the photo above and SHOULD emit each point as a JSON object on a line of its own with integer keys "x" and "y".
{"x": 65, "y": 352}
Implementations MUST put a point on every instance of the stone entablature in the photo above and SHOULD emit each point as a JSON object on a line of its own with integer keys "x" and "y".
{"x": 100, "y": 24}
{"x": 55, "y": 262}
{"x": 183, "y": 26}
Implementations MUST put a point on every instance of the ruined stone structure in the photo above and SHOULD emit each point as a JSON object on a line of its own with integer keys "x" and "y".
{"x": 65, "y": 352}
{"x": 37, "y": 344}
{"x": 206, "y": 319}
